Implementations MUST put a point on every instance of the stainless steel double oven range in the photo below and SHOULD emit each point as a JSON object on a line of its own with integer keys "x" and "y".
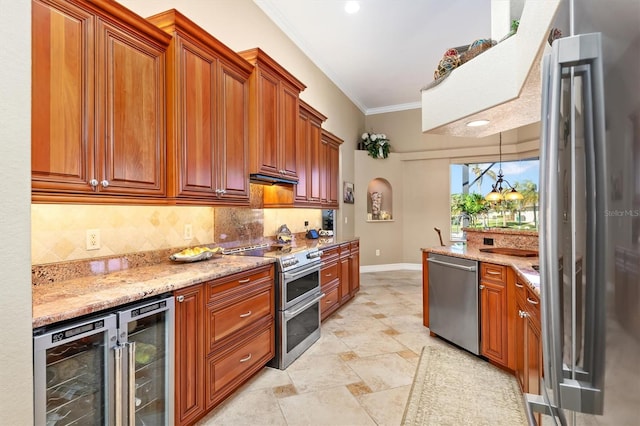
{"x": 298, "y": 297}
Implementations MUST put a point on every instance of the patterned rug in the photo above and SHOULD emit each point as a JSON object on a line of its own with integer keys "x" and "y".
{"x": 453, "y": 387}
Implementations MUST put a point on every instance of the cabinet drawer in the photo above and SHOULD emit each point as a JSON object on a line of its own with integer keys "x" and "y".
{"x": 241, "y": 283}
{"x": 345, "y": 250}
{"x": 330, "y": 254}
{"x": 330, "y": 301}
{"x": 355, "y": 246}
{"x": 489, "y": 271}
{"x": 521, "y": 288}
{"x": 227, "y": 371}
{"x": 329, "y": 273}
{"x": 225, "y": 321}
{"x": 532, "y": 302}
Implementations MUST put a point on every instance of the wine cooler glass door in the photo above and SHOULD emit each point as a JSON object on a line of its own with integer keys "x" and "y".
{"x": 145, "y": 333}
{"x": 73, "y": 373}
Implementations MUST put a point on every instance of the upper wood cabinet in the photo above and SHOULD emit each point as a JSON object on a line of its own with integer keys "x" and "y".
{"x": 98, "y": 125}
{"x": 207, "y": 116}
{"x": 307, "y": 191}
{"x": 329, "y": 169}
{"x": 273, "y": 117}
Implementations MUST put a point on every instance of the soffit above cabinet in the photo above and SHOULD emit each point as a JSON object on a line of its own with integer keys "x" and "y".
{"x": 501, "y": 85}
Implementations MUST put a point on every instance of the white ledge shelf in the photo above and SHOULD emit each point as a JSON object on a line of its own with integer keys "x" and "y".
{"x": 380, "y": 220}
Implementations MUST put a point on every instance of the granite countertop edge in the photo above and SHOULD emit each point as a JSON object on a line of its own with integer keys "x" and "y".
{"x": 77, "y": 297}
{"x": 521, "y": 265}
{"x": 82, "y": 296}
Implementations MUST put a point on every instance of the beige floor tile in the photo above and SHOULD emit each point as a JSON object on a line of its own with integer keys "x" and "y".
{"x": 405, "y": 323}
{"x": 386, "y": 407}
{"x": 327, "y": 344}
{"x": 366, "y": 343}
{"x": 245, "y": 408}
{"x": 335, "y": 407}
{"x": 267, "y": 378}
{"x": 385, "y": 371}
{"x": 315, "y": 372}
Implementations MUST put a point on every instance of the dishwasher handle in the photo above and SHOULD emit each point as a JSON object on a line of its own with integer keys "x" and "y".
{"x": 453, "y": 265}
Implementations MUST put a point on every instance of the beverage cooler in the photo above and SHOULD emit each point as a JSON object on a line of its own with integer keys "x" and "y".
{"x": 115, "y": 368}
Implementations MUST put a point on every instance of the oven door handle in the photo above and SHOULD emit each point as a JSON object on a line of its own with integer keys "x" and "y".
{"x": 297, "y": 274}
{"x": 288, "y": 314}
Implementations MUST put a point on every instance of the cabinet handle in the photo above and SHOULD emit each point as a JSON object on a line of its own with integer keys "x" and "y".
{"x": 522, "y": 314}
{"x": 244, "y": 281}
{"x": 533, "y": 302}
{"x": 246, "y": 315}
{"x": 328, "y": 274}
{"x": 481, "y": 286}
{"x": 519, "y": 285}
{"x": 180, "y": 299}
{"x": 104, "y": 183}
{"x": 329, "y": 302}
{"x": 494, "y": 273}
{"x": 246, "y": 358}
{"x": 93, "y": 183}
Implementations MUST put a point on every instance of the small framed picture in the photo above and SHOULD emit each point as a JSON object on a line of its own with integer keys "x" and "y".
{"x": 349, "y": 197}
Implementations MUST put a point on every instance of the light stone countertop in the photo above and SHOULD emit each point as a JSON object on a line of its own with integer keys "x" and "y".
{"x": 521, "y": 265}
{"x": 76, "y": 297}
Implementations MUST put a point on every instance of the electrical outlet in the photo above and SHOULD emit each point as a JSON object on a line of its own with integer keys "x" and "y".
{"x": 377, "y": 252}
{"x": 306, "y": 223}
{"x": 188, "y": 231}
{"x": 93, "y": 239}
{"x": 346, "y": 219}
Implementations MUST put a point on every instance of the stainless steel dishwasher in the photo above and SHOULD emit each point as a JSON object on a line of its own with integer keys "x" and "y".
{"x": 453, "y": 300}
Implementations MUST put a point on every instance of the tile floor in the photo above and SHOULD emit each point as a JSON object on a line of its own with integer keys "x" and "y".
{"x": 358, "y": 373}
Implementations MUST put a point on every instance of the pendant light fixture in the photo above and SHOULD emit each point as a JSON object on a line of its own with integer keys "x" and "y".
{"x": 496, "y": 190}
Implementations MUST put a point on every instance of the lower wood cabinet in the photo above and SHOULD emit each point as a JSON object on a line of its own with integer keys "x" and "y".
{"x": 225, "y": 332}
{"x": 493, "y": 312}
{"x": 339, "y": 276}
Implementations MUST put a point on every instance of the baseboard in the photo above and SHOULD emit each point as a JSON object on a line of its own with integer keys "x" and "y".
{"x": 391, "y": 267}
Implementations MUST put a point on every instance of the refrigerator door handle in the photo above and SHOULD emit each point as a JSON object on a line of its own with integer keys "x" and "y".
{"x": 132, "y": 383}
{"x": 118, "y": 385}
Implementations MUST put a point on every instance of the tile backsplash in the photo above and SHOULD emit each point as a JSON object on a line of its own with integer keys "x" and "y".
{"x": 58, "y": 232}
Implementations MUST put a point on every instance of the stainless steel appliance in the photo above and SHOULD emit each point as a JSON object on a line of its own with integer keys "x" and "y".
{"x": 453, "y": 300}
{"x": 590, "y": 216}
{"x": 110, "y": 369}
{"x": 298, "y": 297}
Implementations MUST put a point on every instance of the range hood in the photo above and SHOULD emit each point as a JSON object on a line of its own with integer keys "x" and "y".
{"x": 261, "y": 179}
{"x": 502, "y": 84}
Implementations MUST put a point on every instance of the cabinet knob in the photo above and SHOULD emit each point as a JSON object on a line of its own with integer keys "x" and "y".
{"x": 93, "y": 183}
{"x": 481, "y": 286}
{"x": 104, "y": 183}
{"x": 180, "y": 299}
{"x": 522, "y": 314}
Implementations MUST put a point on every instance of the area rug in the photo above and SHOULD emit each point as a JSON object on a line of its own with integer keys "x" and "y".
{"x": 453, "y": 387}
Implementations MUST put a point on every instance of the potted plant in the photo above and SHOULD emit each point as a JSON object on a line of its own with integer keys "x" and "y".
{"x": 376, "y": 144}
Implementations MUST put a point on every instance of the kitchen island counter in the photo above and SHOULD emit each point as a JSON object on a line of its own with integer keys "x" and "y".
{"x": 522, "y": 266}
{"x": 75, "y": 297}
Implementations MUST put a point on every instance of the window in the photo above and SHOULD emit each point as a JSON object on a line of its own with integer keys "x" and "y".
{"x": 471, "y": 182}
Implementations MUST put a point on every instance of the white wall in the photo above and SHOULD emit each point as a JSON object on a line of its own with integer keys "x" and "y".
{"x": 15, "y": 168}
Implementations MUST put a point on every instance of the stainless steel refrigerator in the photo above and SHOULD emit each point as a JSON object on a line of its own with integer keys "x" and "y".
{"x": 590, "y": 217}
{"x": 115, "y": 368}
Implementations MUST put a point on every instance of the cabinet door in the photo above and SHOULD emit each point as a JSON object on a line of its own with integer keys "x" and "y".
{"x": 266, "y": 148}
{"x": 333, "y": 170}
{"x": 130, "y": 109}
{"x": 355, "y": 270}
{"x": 194, "y": 115}
{"x": 534, "y": 356}
{"x": 62, "y": 119}
{"x": 234, "y": 139}
{"x": 303, "y": 159}
{"x": 288, "y": 131}
{"x": 190, "y": 356}
{"x": 322, "y": 166}
{"x": 314, "y": 171}
{"x": 520, "y": 334}
{"x": 494, "y": 322}
{"x": 345, "y": 279}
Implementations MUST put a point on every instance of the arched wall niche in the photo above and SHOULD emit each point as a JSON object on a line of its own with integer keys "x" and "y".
{"x": 379, "y": 200}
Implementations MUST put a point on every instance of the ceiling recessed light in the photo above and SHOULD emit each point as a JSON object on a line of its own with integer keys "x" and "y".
{"x": 477, "y": 123}
{"x": 352, "y": 6}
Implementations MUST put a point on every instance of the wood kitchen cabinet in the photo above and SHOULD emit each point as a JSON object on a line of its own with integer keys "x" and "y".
{"x": 98, "y": 121}
{"x": 493, "y": 312}
{"x": 225, "y": 333}
{"x": 307, "y": 191}
{"x": 339, "y": 276}
{"x": 329, "y": 169}
{"x": 207, "y": 110}
{"x": 528, "y": 339}
{"x": 273, "y": 117}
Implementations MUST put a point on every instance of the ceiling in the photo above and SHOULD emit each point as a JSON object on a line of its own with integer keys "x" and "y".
{"x": 381, "y": 56}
